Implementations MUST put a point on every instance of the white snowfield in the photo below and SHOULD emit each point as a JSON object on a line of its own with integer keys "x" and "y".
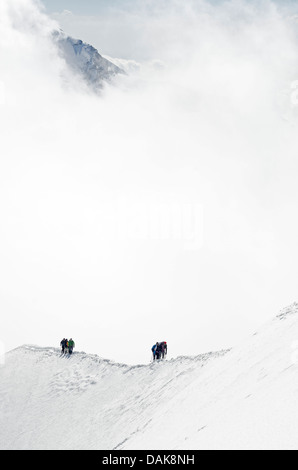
{"x": 245, "y": 398}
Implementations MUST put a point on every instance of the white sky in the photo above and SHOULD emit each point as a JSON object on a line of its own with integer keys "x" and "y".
{"x": 127, "y": 28}
{"x": 102, "y": 198}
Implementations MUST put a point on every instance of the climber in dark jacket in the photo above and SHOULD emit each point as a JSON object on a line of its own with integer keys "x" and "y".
{"x": 161, "y": 350}
{"x": 153, "y": 349}
{"x": 63, "y": 345}
{"x": 164, "y": 349}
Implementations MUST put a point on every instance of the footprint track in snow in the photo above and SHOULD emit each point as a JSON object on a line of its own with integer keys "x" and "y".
{"x": 71, "y": 380}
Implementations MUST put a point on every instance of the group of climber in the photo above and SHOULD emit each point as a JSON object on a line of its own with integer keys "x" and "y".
{"x": 67, "y": 346}
{"x": 159, "y": 350}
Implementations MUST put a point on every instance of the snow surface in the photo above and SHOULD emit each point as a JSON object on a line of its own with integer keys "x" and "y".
{"x": 245, "y": 398}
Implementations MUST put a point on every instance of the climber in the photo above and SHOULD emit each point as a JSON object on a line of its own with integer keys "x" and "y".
{"x": 63, "y": 345}
{"x": 164, "y": 349}
{"x": 161, "y": 350}
{"x": 71, "y": 345}
{"x": 153, "y": 349}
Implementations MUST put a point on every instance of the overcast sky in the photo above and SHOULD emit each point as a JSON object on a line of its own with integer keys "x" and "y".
{"x": 96, "y": 6}
{"x": 132, "y": 29}
{"x": 90, "y": 7}
{"x": 165, "y": 208}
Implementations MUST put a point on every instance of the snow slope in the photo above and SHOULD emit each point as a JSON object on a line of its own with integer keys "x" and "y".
{"x": 84, "y": 60}
{"x": 237, "y": 399}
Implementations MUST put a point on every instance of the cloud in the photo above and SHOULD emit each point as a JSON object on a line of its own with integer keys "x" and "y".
{"x": 102, "y": 196}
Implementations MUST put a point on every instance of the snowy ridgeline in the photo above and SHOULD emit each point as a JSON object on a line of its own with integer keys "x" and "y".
{"x": 85, "y": 61}
{"x": 242, "y": 398}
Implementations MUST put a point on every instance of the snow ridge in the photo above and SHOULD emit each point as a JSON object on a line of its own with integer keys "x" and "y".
{"x": 244, "y": 398}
